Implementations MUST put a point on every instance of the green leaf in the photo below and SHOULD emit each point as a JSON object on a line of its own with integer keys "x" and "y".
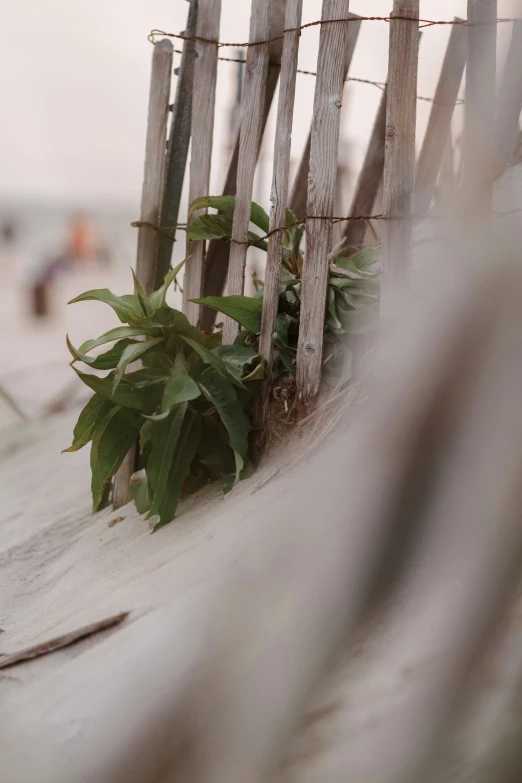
{"x": 226, "y": 204}
{"x": 257, "y": 374}
{"x": 243, "y": 309}
{"x": 95, "y": 410}
{"x": 358, "y": 266}
{"x": 113, "y": 438}
{"x": 180, "y": 386}
{"x": 125, "y": 307}
{"x": 211, "y": 227}
{"x": 158, "y": 298}
{"x": 163, "y": 438}
{"x": 186, "y": 446}
{"x": 236, "y": 357}
{"x": 130, "y": 354}
{"x": 127, "y": 394}
{"x": 119, "y": 333}
{"x": 141, "y": 295}
{"x": 360, "y": 321}
{"x": 331, "y": 318}
{"x": 139, "y": 489}
{"x": 210, "y": 357}
{"x": 224, "y": 398}
{"x": 220, "y": 227}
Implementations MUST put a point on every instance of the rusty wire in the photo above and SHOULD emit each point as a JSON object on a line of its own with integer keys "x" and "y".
{"x": 423, "y": 23}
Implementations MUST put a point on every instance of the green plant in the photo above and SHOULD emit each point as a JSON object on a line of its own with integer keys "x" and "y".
{"x": 188, "y": 404}
{"x": 352, "y": 296}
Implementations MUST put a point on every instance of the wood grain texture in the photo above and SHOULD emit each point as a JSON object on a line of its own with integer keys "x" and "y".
{"x": 399, "y": 165}
{"x": 278, "y": 197}
{"x": 250, "y": 134}
{"x": 177, "y": 148}
{"x": 369, "y": 180}
{"x": 154, "y": 168}
{"x": 321, "y": 196}
{"x": 441, "y": 114}
{"x": 217, "y": 258}
{"x": 510, "y": 100}
{"x": 479, "y": 133}
{"x": 299, "y": 194}
{"x": 150, "y": 210}
{"x": 203, "y": 103}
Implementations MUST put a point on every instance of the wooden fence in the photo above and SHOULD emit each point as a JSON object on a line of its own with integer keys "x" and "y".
{"x": 408, "y": 184}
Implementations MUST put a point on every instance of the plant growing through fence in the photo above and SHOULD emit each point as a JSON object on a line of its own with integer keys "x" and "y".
{"x": 190, "y": 402}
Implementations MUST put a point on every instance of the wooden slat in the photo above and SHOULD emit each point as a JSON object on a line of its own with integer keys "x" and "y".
{"x": 369, "y": 180}
{"x": 321, "y": 196}
{"x": 510, "y": 100}
{"x": 439, "y": 123}
{"x": 279, "y": 195}
{"x": 216, "y": 261}
{"x": 203, "y": 102}
{"x": 150, "y": 209}
{"x": 177, "y": 148}
{"x": 251, "y": 122}
{"x": 399, "y": 165}
{"x": 479, "y": 152}
{"x": 299, "y": 194}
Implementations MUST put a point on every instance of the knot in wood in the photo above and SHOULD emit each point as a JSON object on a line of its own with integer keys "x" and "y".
{"x": 391, "y": 131}
{"x": 309, "y": 348}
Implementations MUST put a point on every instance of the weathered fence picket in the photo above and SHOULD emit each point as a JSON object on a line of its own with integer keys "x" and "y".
{"x": 217, "y": 258}
{"x": 441, "y": 114}
{"x": 299, "y": 191}
{"x": 177, "y": 148}
{"x": 150, "y": 209}
{"x": 321, "y": 195}
{"x": 251, "y": 123}
{"x": 479, "y": 152}
{"x": 399, "y": 164}
{"x": 279, "y": 195}
{"x": 203, "y": 103}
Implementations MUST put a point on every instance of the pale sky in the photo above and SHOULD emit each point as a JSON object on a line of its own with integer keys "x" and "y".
{"x": 74, "y": 88}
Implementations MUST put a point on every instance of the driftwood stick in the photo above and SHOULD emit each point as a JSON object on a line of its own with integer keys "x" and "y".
{"x": 399, "y": 163}
{"x": 205, "y": 74}
{"x": 177, "y": 149}
{"x": 321, "y": 196}
{"x": 150, "y": 211}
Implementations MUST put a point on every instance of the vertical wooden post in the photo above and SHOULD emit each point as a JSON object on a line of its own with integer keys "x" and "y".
{"x": 510, "y": 100}
{"x": 150, "y": 209}
{"x": 300, "y": 187}
{"x": 217, "y": 258}
{"x": 369, "y": 180}
{"x": 399, "y": 164}
{"x": 321, "y": 196}
{"x": 479, "y": 135}
{"x": 441, "y": 114}
{"x": 203, "y": 102}
{"x": 251, "y": 122}
{"x": 177, "y": 149}
{"x": 279, "y": 195}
